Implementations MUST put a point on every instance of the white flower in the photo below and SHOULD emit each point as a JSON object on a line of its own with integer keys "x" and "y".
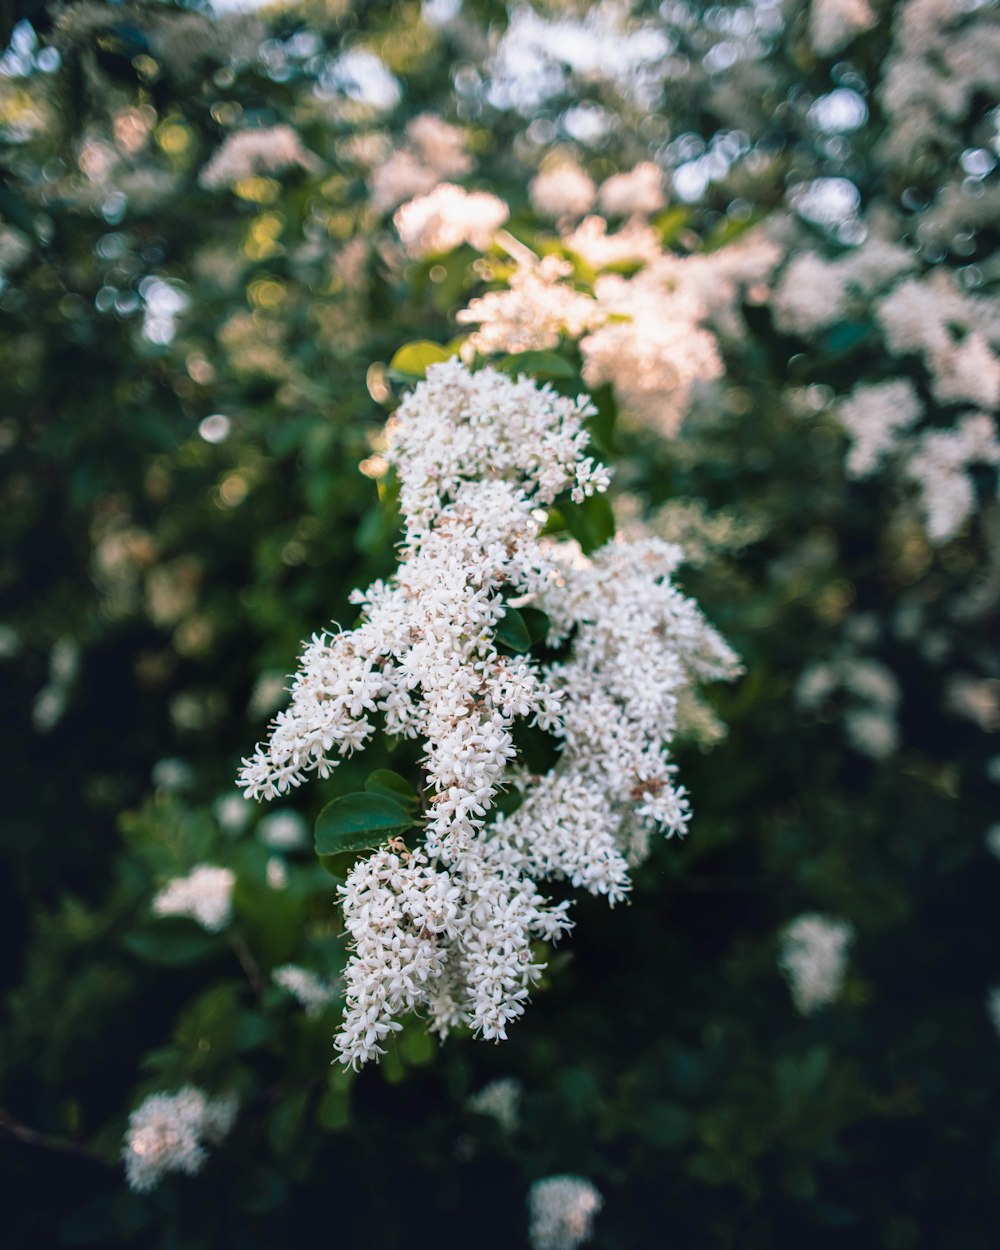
{"x": 246, "y": 153}
{"x": 638, "y": 192}
{"x": 814, "y": 958}
{"x": 434, "y": 150}
{"x": 500, "y": 1100}
{"x": 283, "y": 830}
{"x": 834, "y": 23}
{"x": 205, "y": 895}
{"x": 167, "y": 1132}
{"x": 534, "y": 312}
{"x": 232, "y": 811}
{"x": 940, "y": 466}
{"x": 561, "y": 1211}
{"x": 563, "y": 190}
{"x": 874, "y": 416}
{"x": 312, "y": 991}
{"x": 447, "y": 218}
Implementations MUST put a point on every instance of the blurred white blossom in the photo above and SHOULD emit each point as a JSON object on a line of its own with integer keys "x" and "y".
{"x": 561, "y": 1211}
{"x": 168, "y": 1133}
{"x": 813, "y": 958}
{"x": 205, "y": 895}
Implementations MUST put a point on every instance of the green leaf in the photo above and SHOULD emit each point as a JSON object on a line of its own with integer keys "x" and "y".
{"x": 536, "y": 364}
{"x": 671, "y": 223}
{"x": 385, "y": 781}
{"x": 285, "y": 1121}
{"x": 537, "y": 622}
{"x": 359, "y": 822}
{"x": 512, "y": 630}
{"x": 171, "y": 943}
{"x": 591, "y": 523}
{"x": 412, "y": 359}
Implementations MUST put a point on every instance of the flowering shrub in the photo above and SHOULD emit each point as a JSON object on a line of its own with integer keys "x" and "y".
{"x": 740, "y": 256}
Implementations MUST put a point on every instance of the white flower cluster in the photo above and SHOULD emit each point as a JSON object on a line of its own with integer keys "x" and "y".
{"x": 833, "y": 24}
{"x": 874, "y": 416}
{"x": 873, "y": 697}
{"x": 246, "y": 153}
{"x": 205, "y": 894}
{"x": 433, "y": 151}
{"x": 283, "y": 830}
{"x": 644, "y": 334}
{"x": 940, "y": 467}
{"x": 448, "y": 217}
{"x": 814, "y": 293}
{"x": 312, "y": 991}
{"x": 813, "y": 958}
{"x": 944, "y": 54}
{"x": 561, "y": 1212}
{"x": 168, "y": 1132}
{"x": 654, "y": 346}
{"x": 957, "y": 337}
{"x": 535, "y": 310}
{"x": 635, "y": 193}
{"x": 562, "y": 191}
{"x": 636, "y": 243}
{"x": 500, "y": 1100}
{"x": 448, "y": 928}
{"x": 953, "y": 332}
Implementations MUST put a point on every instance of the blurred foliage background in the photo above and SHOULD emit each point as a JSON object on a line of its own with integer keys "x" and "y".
{"x": 191, "y": 374}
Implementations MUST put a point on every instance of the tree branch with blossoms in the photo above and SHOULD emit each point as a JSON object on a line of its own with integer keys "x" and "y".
{"x": 492, "y": 621}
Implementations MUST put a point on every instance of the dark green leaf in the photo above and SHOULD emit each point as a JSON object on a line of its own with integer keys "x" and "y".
{"x": 358, "y": 822}
{"x": 537, "y": 622}
{"x": 512, "y": 631}
{"x": 171, "y": 943}
{"x": 536, "y": 365}
{"x": 385, "y": 781}
{"x": 591, "y": 523}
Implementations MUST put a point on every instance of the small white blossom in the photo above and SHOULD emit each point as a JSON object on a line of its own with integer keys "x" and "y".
{"x": 561, "y": 1212}
{"x": 173, "y": 775}
{"x": 232, "y": 811}
{"x": 500, "y": 1100}
{"x": 563, "y": 190}
{"x": 834, "y": 23}
{"x": 205, "y": 894}
{"x": 814, "y": 958}
{"x": 312, "y": 991}
{"x": 638, "y": 192}
{"x": 448, "y": 217}
{"x": 249, "y": 153}
{"x": 168, "y": 1132}
{"x": 940, "y": 467}
{"x": 874, "y": 417}
{"x": 534, "y": 312}
{"x": 283, "y": 830}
